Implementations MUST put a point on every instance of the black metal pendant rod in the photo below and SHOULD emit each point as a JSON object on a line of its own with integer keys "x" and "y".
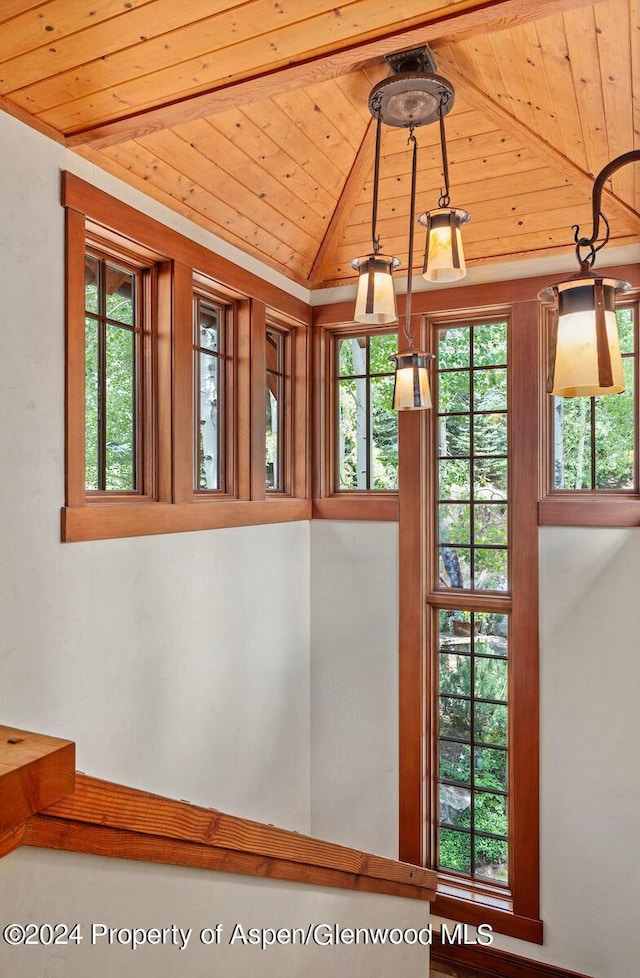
{"x": 375, "y": 240}
{"x": 412, "y": 216}
{"x": 445, "y": 198}
{"x": 596, "y": 197}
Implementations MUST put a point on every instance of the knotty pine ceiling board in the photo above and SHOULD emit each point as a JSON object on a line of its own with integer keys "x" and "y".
{"x": 83, "y": 72}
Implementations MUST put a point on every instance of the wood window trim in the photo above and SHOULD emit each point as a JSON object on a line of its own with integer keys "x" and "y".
{"x": 327, "y": 502}
{"x": 604, "y": 507}
{"x": 515, "y": 913}
{"x": 181, "y": 264}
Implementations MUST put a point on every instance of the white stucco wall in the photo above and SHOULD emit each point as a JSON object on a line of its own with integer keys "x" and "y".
{"x": 178, "y": 663}
{"x": 39, "y": 886}
{"x": 354, "y": 684}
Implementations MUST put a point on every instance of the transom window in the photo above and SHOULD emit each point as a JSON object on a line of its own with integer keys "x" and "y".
{"x": 367, "y": 435}
{"x": 210, "y": 352}
{"x": 594, "y": 440}
{"x": 114, "y": 338}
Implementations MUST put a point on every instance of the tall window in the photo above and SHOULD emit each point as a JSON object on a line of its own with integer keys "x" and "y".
{"x": 594, "y": 440}
{"x": 275, "y": 407}
{"x": 367, "y": 435}
{"x": 210, "y": 343}
{"x": 471, "y": 783}
{"x": 114, "y": 380}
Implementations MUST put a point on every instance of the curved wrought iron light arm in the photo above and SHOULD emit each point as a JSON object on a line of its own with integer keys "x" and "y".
{"x": 596, "y": 196}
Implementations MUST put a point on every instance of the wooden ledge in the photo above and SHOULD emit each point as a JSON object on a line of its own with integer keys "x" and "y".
{"x": 112, "y": 820}
{"x": 35, "y": 772}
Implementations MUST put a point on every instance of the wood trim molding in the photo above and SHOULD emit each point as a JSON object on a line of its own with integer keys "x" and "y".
{"x": 590, "y": 511}
{"x": 112, "y": 820}
{"x": 35, "y": 772}
{"x": 109, "y": 521}
{"x": 358, "y": 506}
{"x": 494, "y": 963}
{"x": 113, "y": 213}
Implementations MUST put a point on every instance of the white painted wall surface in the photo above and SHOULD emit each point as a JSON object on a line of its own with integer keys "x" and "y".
{"x": 42, "y": 886}
{"x": 354, "y": 684}
{"x": 178, "y": 663}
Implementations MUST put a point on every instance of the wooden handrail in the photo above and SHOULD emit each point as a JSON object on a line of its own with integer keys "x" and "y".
{"x": 35, "y": 771}
{"x": 112, "y": 820}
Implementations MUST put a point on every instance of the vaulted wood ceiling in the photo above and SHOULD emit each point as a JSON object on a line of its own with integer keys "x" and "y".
{"x": 251, "y": 117}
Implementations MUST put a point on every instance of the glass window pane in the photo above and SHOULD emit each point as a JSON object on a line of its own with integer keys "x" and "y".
{"x": 455, "y": 523}
{"x": 626, "y": 330}
{"x": 614, "y": 431}
{"x": 209, "y": 430}
{"x": 453, "y": 435}
{"x": 454, "y": 850}
{"x": 454, "y": 805}
{"x": 490, "y": 434}
{"x": 453, "y": 392}
{"x": 384, "y": 433}
{"x": 453, "y": 347}
{"x": 208, "y": 328}
{"x": 120, "y": 408}
{"x": 381, "y": 348}
{"x": 455, "y": 674}
{"x": 455, "y": 762}
{"x": 490, "y": 390}
{"x": 572, "y": 442}
{"x": 91, "y": 403}
{"x": 490, "y": 524}
{"x": 490, "y": 813}
{"x": 492, "y": 637}
{"x": 490, "y": 724}
{"x": 490, "y": 768}
{"x": 490, "y": 570}
{"x": 455, "y": 567}
{"x": 272, "y": 424}
{"x": 352, "y": 356}
{"x": 352, "y": 434}
{"x": 91, "y": 284}
{"x": 490, "y": 478}
{"x": 454, "y": 479}
{"x": 491, "y": 859}
{"x": 490, "y": 678}
{"x": 275, "y": 344}
{"x": 455, "y": 718}
{"x": 490, "y": 344}
{"x": 119, "y": 294}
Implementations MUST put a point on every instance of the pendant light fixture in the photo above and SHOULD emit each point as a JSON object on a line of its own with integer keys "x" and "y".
{"x": 443, "y": 255}
{"x": 413, "y": 96}
{"x": 375, "y": 298}
{"x": 585, "y": 358}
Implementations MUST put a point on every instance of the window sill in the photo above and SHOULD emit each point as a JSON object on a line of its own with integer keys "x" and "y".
{"x": 373, "y": 506}
{"x": 484, "y": 906}
{"x": 589, "y": 510}
{"x": 110, "y": 521}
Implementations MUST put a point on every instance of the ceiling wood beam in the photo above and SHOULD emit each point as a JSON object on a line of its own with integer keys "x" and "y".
{"x": 478, "y": 16}
{"x": 509, "y": 124}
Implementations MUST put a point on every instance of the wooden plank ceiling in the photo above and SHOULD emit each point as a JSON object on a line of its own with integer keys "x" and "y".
{"x": 251, "y": 117}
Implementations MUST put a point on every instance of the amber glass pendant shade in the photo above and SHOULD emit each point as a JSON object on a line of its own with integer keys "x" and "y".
{"x": 375, "y": 298}
{"x": 444, "y": 254}
{"x": 585, "y": 352}
{"x": 411, "y": 388}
